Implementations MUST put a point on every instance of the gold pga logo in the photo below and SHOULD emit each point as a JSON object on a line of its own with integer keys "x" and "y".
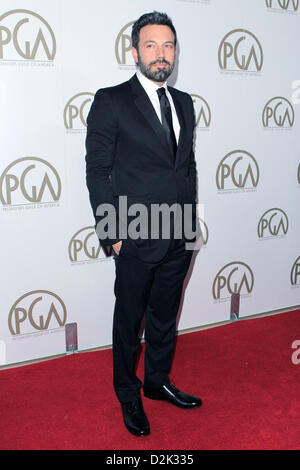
{"x": 238, "y": 170}
{"x": 240, "y": 50}
{"x": 37, "y": 311}
{"x": 29, "y": 180}
{"x": 25, "y": 35}
{"x": 123, "y": 46}
{"x": 76, "y": 111}
{"x": 273, "y": 223}
{"x": 204, "y": 231}
{"x": 84, "y": 246}
{"x": 202, "y": 112}
{"x": 278, "y": 113}
{"x": 283, "y": 4}
{"x": 295, "y": 273}
{"x": 234, "y": 278}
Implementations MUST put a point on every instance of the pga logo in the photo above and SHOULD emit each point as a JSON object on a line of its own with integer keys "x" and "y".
{"x": 36, "y": 311}
{"x": 76, "y": 111}
{"x": 29, "y": 180}
{"x": 123, "y": 46}
{"x": 235, "y": 277}
{"x": 240, "y": 50}
{"x": 238, "y": 170}
{"x": 25, "y": 35}
{"x": 85, "y": 246}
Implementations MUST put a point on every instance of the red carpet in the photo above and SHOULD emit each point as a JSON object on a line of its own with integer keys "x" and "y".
{"x": 242, "y": 371}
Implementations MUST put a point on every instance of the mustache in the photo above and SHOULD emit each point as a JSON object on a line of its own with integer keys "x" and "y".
{"x": 162, "y": 61}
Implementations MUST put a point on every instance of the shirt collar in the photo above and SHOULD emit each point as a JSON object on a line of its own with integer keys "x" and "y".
{"x": 149, "y": 86}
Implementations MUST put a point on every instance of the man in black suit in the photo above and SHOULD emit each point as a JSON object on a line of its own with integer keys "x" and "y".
{"x": 140, "y": 147}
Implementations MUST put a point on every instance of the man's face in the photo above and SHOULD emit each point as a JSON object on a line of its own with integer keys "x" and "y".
{"x": 156, "y": 52}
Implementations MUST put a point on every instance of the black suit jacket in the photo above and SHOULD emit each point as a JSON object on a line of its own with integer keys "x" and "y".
{"x": 128, "y": 155}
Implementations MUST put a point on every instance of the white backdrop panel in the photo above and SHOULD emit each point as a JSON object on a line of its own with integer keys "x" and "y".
{"x": 54, "y": 271}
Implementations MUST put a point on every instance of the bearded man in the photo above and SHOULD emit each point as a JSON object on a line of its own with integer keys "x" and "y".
{"x": 140, "y": 145}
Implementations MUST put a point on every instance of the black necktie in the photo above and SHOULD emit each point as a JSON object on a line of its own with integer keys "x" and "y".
{"x": 166, "y": 118}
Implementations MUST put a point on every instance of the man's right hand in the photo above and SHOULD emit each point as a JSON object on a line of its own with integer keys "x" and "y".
{"x": 117, "y": 247}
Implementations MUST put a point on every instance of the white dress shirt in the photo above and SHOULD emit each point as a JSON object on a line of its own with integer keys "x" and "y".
{"x": 151, "y": 90}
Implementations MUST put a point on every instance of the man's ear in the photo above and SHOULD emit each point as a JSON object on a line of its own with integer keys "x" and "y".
{"x": 135, "y": 54}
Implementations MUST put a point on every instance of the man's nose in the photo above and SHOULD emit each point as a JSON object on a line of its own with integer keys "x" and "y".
{"x": 160, "y": 52}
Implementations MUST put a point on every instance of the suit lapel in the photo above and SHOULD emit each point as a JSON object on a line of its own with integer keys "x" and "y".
{"x": 181, "y": 120}
{"x": 144, "y": 105}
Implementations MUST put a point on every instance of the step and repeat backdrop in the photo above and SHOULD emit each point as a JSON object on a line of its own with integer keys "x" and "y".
{"x": 239, "y": 60}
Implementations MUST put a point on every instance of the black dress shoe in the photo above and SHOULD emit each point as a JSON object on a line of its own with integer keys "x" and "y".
{"x": 135, "y": 418}
{"x": 171, "y": 394}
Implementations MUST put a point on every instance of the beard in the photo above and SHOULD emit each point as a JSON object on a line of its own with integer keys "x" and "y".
{"x": 157, "y": 75}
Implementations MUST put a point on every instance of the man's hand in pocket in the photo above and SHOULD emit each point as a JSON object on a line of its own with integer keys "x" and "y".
{"x": 117, "y": 247}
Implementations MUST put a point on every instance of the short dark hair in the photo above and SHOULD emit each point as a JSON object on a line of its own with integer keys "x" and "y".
{"x": 151, "y": 18}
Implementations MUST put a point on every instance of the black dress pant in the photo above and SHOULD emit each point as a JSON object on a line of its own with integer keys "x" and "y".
{"x": 154, "y": 288}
